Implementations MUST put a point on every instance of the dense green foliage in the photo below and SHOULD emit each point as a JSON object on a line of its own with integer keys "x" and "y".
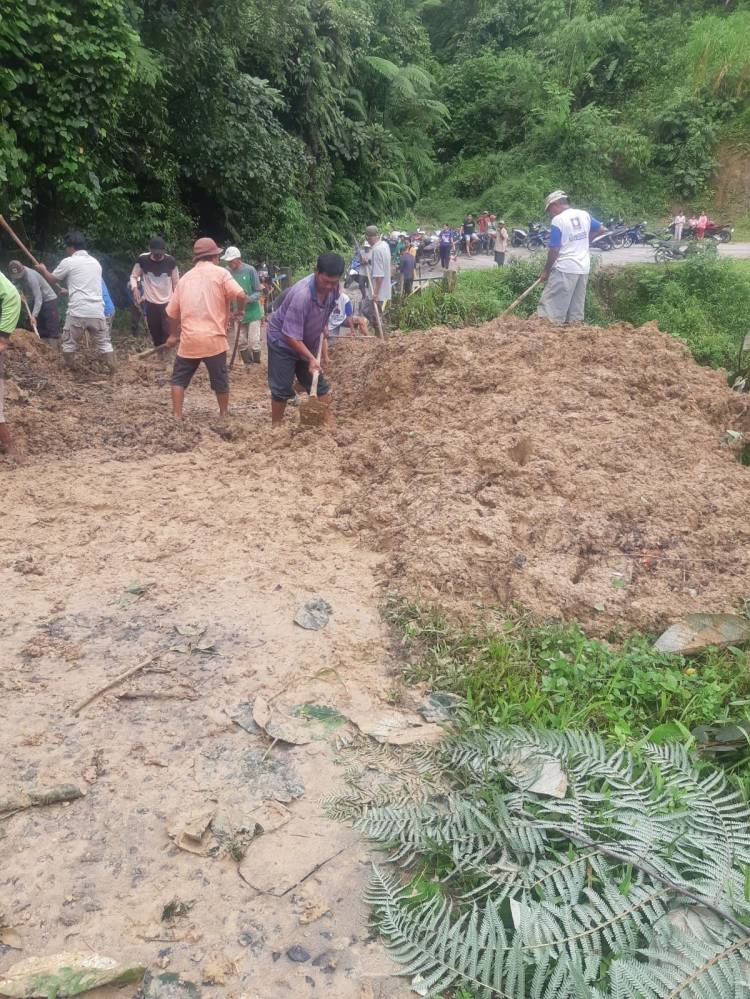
{"x": 286, "y": 126}
{"x": 704, "y": 301}
{"x": 554, "y": 676}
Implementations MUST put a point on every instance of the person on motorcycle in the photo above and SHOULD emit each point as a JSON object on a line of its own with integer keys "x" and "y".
{"x": 566, "y": 272}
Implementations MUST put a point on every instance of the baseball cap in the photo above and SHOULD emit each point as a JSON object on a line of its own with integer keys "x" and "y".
{"x": 231, "y": 253}
{"x": 157, "y": 244}
{"x": 555, "y": 196}
{"x": 205, "y": 247}
{"x": 372, "y": 230}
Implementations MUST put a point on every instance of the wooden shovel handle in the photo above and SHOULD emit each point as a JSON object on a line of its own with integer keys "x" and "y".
{"x": 17, "y": 241}
{"x": 520, "y": 298}
{"x": 314, "y": 386}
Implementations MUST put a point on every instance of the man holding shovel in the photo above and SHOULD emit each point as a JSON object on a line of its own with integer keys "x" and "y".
{"x": 566, "y": 272}
{"x": 295, "y": 331}
{"x": 43, "y": 307}
{"x": 82, "y": 275}
{"x": 10, "y": 310}
{"x": 245, "y": 324}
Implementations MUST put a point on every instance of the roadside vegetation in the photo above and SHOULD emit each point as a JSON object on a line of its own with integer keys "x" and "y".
{"x": 554, "y": 676}
{"x": 325, "y": 116}
{"x": 704, "y": 301}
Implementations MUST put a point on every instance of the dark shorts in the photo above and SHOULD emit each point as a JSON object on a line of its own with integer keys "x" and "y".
{"x": 283, "y": 367}
{"x": 185, "y": 367}
{"x": 499, "y": 258}
{"x": 156, "y": 320}
{"x": 48, "y": 322}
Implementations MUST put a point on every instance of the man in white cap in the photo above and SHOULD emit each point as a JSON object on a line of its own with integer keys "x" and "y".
{"x": 245, "y": 323}
{"x": 566, "y": 272}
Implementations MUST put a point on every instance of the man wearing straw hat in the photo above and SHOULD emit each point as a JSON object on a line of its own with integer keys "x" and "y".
{"x": 198, "y": 312}
{"x": 566, "y": 272}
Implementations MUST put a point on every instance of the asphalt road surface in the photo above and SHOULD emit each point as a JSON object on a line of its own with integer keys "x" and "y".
{"x": 614, "y": 258}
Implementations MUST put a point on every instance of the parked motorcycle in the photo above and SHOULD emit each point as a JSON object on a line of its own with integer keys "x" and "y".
{"x": 521, "y": 237}
{"x": 538, "y": 240}
{"x": 637, "y": 235}
{"x": 666, "y": 251}
{"x": 715, "y": 230}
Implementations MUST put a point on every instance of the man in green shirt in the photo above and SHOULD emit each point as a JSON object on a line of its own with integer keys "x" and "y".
{"x": 245, "y": 324}
{"x": 10, "y": 310}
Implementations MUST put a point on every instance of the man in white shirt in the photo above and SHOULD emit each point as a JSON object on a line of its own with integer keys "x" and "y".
{"x": 82, "y": 275}
{"x": 679, "y": 222}
{"x": 566, "y": 272}
{"x": 380, "y": 262}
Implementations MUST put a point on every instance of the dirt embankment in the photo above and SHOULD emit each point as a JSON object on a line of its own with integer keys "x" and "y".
{"x": 581, "y": 473}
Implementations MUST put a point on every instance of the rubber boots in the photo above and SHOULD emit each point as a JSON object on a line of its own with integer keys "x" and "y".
{"x": 69, "y": 359}
{"x": 246, "y": 356}
{"x": 256, "y": 357}
{"x": 109, "y": 360}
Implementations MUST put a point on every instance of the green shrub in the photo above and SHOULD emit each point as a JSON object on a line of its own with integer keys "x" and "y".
{"x": 703, "y": 301}
{"x": 555, "y": 676}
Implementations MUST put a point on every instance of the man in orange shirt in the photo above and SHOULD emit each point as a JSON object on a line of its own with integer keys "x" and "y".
{"x": 197, "y": 313}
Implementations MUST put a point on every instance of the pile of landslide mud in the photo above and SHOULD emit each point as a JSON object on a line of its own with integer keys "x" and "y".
{"x": 579, "y": 473}
{"x": 584, "y": 473}
{"x": 55, "y": 412}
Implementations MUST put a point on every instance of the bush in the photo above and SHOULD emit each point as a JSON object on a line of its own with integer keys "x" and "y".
{"x": 703, "y": 301}
{"x": 555, "y": 676}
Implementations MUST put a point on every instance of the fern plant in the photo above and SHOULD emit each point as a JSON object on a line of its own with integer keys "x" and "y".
{"x": 561, "y": 868}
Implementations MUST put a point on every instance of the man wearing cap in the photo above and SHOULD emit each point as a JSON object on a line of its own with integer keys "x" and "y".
{"x": 42, "y": 299}
{"x": 501, "y": 242}
{"x": 82, "y": 275}
{"x": 380, "y": 266}
{"x": 159, "y": 274}
{"x": 295, "y": 328}
{"x": 566, "y": 272}
{"x": 246, "y": 324}
{"x": 198, "y": 311}
{"x": 10, "y": 310}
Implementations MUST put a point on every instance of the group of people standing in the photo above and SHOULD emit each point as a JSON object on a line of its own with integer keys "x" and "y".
{"x": 697, "y": 225}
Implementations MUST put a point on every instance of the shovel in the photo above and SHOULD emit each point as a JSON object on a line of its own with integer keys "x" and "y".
{"x": 313, "y": 412}
{"x": 514, "y": 305}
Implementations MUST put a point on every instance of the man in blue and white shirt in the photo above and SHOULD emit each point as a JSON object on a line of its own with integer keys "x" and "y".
{"x": 566, "y": 272}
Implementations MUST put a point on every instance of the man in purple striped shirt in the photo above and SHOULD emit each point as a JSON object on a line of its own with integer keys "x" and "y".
{"x": 294, "y": 331}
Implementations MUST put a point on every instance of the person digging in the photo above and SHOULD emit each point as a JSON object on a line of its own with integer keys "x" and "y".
{"x": 294, "y": 334}
{"x": 245, "y": 323}
{"x": 197, "y": 313}
{"x": 10, "y": 311}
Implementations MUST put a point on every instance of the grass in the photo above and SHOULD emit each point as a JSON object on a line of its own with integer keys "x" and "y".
{"x": 554, "y": 676}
